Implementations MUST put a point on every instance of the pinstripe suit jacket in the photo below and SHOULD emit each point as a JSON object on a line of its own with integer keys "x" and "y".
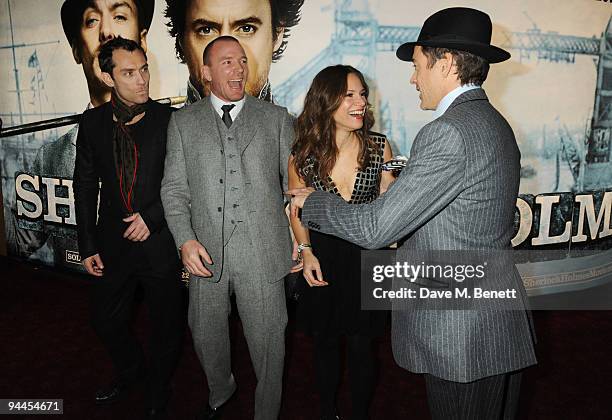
{"x": 457, "y": 192}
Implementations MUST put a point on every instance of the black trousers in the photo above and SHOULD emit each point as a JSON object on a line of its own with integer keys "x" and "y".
{"x": 112, "y": 298}
{"x": 361, "y": 366}
{"x": 491, "y": 398}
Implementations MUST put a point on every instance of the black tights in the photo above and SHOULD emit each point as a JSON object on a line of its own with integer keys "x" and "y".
{"x": 361, "y": 373}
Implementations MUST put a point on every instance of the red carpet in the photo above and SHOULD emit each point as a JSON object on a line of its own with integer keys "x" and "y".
{"x": 48, "y": 350}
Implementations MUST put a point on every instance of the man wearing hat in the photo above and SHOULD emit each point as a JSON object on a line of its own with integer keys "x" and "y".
{"x": 87, "y": 24}
{"x": 457, "y": 193}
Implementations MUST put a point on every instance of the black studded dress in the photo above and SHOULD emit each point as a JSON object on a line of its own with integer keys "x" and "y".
{"x": 336, "y": 308}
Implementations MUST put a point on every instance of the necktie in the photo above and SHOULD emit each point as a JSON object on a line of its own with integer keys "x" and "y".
{"x": 227, "y": 118}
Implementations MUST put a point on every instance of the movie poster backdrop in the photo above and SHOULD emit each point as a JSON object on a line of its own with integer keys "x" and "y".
{"x": 556, "y": 92}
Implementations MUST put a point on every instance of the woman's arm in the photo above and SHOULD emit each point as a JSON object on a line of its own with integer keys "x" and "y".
{"x": 387, "y": 177}
{"x": 312, "y": 268}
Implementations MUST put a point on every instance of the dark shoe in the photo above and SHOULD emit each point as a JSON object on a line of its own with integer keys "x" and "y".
{"x": 115, "y": 391}
{"x": 209, "y": 413}
{"x": 157, "y": 414}
{"x": 111, "y": 393}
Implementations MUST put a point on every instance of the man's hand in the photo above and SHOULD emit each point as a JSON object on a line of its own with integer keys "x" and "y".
{"x": 137, "y": 231}
{"x": 94, "y": 265}
{"x": 298, "y": 196}
{"x": 192, "y": 254}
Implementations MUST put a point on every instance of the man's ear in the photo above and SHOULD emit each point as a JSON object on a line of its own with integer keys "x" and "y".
{"x": 279, "y": 39}
{"x": 108, "y": 80}
{"x": 76, "y": 53}
{"x": 446, "y": 64}
{"x": 143, "y": 39}
{"x": 206, "y": 74}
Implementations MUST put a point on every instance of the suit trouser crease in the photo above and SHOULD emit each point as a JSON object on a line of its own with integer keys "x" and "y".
{"x": 262, "y": 310}
{"x": 493, "y": 397}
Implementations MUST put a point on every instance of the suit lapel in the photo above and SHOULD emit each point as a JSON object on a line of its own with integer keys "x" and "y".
{"x": 146, "y": 150}
{"x": 107, "y": 128}
{"x": 107, "y": 136}
{"x": 207, "y": 125}
{"x": 248, "y": 122}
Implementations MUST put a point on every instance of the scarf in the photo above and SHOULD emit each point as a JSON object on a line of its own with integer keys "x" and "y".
{"x": 124, "y": 147}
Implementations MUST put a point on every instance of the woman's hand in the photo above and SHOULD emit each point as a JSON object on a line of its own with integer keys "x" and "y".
{"x": 312, "y": 269}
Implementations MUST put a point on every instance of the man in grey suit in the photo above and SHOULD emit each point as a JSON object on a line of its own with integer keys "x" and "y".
{"x": 222, "y": 192}
{"x": 457, "y": 193}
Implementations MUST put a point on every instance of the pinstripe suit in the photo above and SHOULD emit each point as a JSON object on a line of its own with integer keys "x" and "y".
{"x": 457, "y": 192}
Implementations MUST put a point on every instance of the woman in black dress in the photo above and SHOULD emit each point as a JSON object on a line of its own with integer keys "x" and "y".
{"x": 334, "y": 151}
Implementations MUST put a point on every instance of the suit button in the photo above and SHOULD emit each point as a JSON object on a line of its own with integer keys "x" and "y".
{"x": 221, "y": 181}
{"x": 221, "y": 151}
{"x": 219, "y": 209}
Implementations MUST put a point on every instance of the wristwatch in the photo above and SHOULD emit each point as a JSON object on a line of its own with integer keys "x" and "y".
{"x": 302, "y": 247}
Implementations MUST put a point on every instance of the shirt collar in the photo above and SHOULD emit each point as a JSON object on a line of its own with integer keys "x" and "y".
{"x": 218, "y": 103}
{"x": 451, "y": 96}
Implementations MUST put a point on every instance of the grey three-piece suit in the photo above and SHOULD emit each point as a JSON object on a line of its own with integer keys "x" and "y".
{"x": 224, "y": 188}
{"x": 458, "y": 192}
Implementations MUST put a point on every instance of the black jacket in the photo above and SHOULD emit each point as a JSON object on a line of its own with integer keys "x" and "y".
{"x": 95, "y": 164}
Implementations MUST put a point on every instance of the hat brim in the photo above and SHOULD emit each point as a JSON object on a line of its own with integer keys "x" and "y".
{"x": 490, "y": 53}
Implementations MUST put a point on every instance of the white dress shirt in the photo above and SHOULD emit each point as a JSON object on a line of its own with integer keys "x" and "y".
{"x": 218, "y": 103}
{"x": 451, "y": 96}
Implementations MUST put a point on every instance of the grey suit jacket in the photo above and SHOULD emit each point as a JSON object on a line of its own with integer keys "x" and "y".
{"x": 457, "y": 192}
{"x": 193, "y": 188}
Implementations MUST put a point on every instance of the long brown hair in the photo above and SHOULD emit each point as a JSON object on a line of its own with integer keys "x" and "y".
{"x": 315, "y": 133}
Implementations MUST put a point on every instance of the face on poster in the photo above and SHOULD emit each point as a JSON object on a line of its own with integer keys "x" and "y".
{"x": 539, "y": 97}
{"x": 547, "y": 96}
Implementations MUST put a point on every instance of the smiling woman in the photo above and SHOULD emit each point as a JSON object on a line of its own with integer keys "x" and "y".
{"x": 334, "y": 151}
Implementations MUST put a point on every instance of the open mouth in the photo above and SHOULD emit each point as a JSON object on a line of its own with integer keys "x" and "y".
{"x": 357, "y": 113}
{"x": 235, "y": 83}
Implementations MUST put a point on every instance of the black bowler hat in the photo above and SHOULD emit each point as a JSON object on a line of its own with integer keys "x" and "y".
{"x": 72, "y": 15}
{"x": 457, "y": 28}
